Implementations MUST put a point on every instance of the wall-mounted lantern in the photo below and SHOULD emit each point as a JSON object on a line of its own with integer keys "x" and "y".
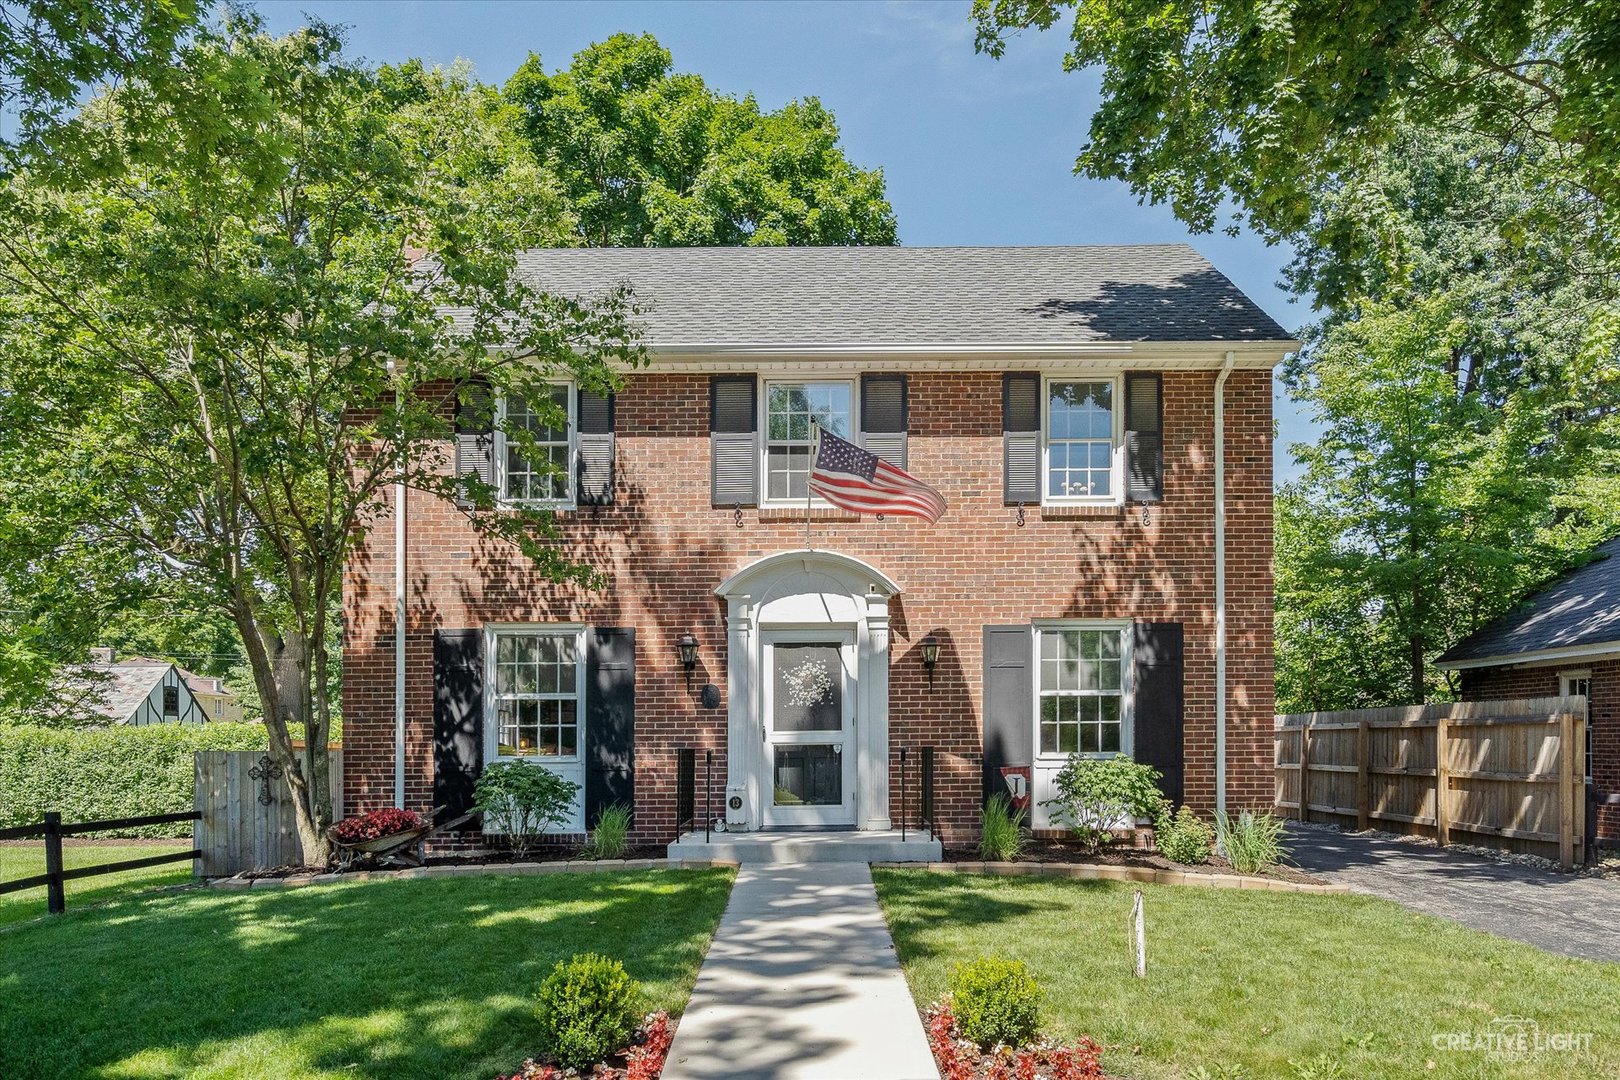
{"x": 930, "y": 656}
{"x": 689, "y": 648}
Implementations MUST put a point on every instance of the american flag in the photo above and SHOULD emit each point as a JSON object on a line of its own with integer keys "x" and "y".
{"x": 858, "y": 480}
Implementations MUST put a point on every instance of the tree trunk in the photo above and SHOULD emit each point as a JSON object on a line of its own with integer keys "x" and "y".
{"x": 281, "y": 672}
{"x": 1415, "y": 652}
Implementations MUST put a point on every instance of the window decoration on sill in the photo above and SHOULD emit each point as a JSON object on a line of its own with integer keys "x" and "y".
{"x": 1147, "y": 515}
{"x": 1020, "y": 518}
{"x": 736, "y": 513}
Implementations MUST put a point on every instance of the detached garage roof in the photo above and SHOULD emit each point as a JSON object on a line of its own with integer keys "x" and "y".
{"x": 822, "y": 297}
{"x": 1579, "y": 611}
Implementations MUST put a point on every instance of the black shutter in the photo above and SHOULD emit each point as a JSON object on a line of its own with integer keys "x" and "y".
{"x": 475, "y": 437}
{"x": 1021, "y": 437}
{"x": 610, "y": 719}
{"x": 1157, "y": 658}
{"x": 883, "y": 417}
{"x": 1009, "y": 702}
{"x": 595, "y": 441}
{"x": 734, "y": 440}
{"x": 1144, "y": 437}
{"x": 458, "y": 717}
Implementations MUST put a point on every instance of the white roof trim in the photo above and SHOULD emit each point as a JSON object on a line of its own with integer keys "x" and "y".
{"x": 1595, "y": 650}
{"x": 1154, "y": 355}
{"x": 808, "y": 559}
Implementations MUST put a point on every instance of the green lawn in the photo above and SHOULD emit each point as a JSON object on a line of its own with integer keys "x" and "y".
{"x": 1260, "y": 984}
{"x": 433, "y": 977}
{"x": 21, "y": 861}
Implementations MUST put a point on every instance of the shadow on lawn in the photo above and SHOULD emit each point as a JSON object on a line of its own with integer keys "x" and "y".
{"x": 385, "y": 979}
{"x": 930, "y": 899}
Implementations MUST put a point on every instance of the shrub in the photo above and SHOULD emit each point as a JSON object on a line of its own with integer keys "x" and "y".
{"x": 91, "y": 774}
{"x": 1002, "y": 838}
{"x": 995, "y": 1000}
{"x": 521, "y": 801}
{"x": 588, "y": 1010}
{"x": 1096, "y": 795}
{"x": 375, "y": 825}
{"x": 611, "y": 837}
{"x": 1252, "y": 841}
{"x": 1183, "y": 838}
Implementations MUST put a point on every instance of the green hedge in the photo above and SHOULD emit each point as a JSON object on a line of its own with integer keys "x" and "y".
{"x": 91, "y": 775}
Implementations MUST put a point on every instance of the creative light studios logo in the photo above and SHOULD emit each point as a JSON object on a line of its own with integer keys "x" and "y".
{"x": 1515, "y": 1035}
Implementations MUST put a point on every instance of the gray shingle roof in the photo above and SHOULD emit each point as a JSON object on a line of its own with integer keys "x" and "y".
{"x": 1580, "y": 608}
{"x": 116, "y": 691}
{"x": 998, "y": 296}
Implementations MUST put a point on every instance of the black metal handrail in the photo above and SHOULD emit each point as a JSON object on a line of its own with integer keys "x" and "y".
{"x": 925, "y": 790}
{"x": 686, "y": 791}
{"x": 54, "y": 877}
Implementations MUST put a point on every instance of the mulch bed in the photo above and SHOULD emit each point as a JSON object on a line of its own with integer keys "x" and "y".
{"x": 1058, "y": 851}
{"x": 643, "y": 1059}
{"x": 547, "y": 853}
{"x": 544, "y": 853}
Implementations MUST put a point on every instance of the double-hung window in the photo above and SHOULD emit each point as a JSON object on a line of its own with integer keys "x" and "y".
{"x": 539, "y": 684}
{"x": 1082, "y": 439}
{"x": 1580, "y": 682}
{"x": 1082, "y": 698}
{"x": 792, "y": 409}
{"x": 542, "y": 473}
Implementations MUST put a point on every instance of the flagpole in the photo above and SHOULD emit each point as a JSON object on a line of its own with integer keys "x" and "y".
{"x": 815, "y": 449}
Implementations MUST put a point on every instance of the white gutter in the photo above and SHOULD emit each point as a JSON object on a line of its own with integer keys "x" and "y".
{"x": 1220, "y": 582}
{"x": 399, "y": 646}
{"x": 1594, "y": 651}
{"x": 399, "y": 637}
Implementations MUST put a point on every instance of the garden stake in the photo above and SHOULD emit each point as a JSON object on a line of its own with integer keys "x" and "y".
{"x": 1139, "y": 936}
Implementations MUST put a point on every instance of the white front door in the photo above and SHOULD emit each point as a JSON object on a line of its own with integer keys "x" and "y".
{"x": 809, "y": 727}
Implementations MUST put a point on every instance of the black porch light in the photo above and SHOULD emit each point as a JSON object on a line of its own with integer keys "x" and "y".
{"x": 930, "y": 656}
{"x": 689, "y": 647}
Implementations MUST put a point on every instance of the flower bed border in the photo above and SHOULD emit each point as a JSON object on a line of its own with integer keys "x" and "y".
{"x": 572, "y": 866}
{"x": 1101, "y": 872}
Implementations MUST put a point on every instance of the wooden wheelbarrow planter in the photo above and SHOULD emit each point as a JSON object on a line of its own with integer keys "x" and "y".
{"x": 403, "y": 849}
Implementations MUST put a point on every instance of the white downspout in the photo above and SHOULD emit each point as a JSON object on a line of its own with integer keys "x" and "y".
{"x": 1220, "y": 582}
{"x": 399, "y": 638}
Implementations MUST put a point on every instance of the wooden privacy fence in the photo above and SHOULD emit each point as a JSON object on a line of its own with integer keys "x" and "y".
{"x": 1507, "y": 774}
{"x": 245, "y": 812}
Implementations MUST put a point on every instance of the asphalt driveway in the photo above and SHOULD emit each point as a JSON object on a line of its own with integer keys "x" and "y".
{"x": 1562, "y": 913}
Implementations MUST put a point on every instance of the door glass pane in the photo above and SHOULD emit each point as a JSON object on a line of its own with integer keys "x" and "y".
{"x": 808, "y": 687}
{"x": 809, "y": 776}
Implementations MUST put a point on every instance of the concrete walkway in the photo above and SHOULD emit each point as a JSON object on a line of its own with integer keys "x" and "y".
{"x": 801, "y": 983}
{"x": 1562, "y": 913}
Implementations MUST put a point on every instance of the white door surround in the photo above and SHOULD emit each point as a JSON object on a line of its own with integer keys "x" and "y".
{"x": 815, "y": 592}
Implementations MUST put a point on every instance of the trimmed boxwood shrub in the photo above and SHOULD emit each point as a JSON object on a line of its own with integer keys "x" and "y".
{"x": 588, "y": 1009}
{"x": 91, "y": 774}
{"x": 996, "y": 1001}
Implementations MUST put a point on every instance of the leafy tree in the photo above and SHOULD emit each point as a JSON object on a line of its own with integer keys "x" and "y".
{"x": 52, "y": 50}
{"x": 650, "y": 156}
{"x": 1271, "y": 104}
{"x": 1466, "y": 379}
{"x": 216, "y": 362}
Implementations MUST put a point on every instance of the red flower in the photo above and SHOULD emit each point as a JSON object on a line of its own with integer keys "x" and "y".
{"x": 375, "y": 825}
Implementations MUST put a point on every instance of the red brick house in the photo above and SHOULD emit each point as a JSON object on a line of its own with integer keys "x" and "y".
{"x": 1563, "y": 638}
{"x": 1099, "y": 420}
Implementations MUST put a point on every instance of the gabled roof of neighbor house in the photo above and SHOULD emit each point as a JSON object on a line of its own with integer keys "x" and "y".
{"x": 1579, "y": 611}
{"x": 986, "y": 297}
{"x": 116, "y": 691}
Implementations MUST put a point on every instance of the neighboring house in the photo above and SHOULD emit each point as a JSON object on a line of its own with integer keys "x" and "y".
{"x": 1561, "y": 639}
{"x": 135, "y": 692}
{"x": 217, "y": 701}
{"x": 1069, "y": 403}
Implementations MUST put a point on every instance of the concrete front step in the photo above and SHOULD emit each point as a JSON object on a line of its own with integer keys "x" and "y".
{"x": 771, "y": 846}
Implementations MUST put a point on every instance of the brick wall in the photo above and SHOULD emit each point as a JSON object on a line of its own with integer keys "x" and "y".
{"x": 665, "y": 549}
{"x": 1602, "y": 708}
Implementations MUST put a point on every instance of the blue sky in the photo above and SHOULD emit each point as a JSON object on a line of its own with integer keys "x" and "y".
{"x": 974, "y": 151}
